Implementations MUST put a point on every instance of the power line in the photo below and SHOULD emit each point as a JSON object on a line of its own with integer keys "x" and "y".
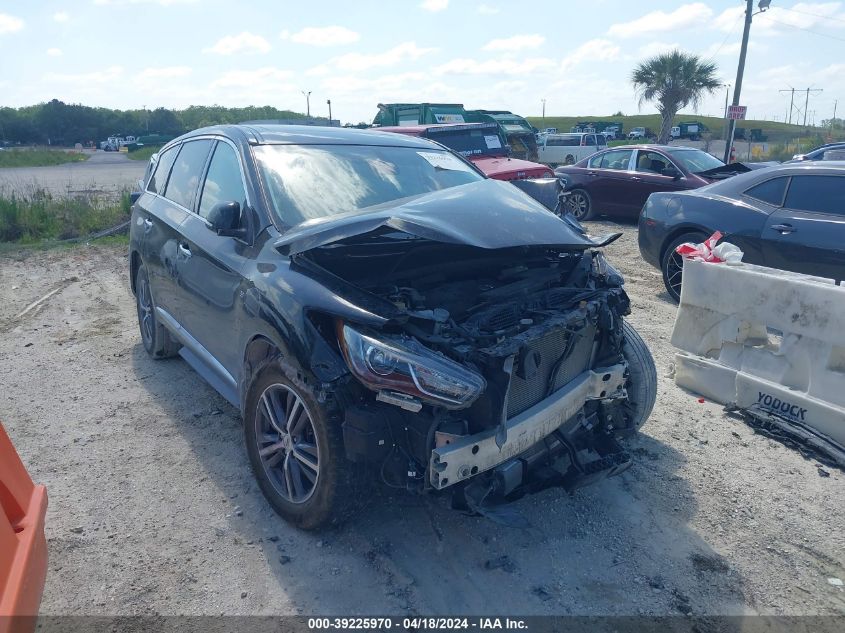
{"x": 731, "y": 32}
{"x": 801, "y": 28}
{"x": 815, "y": 15}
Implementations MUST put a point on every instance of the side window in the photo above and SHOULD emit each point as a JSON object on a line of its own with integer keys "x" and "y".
{"x": 820, "y": 194}
{"x": 652, "y": 162}
{"x": 186, "y": 173}
{"x": 602, "y": 139}
{"x": 223, "y": 182}
{"x": 771, "y": 192}
{"x": 590, "y": 141}
{"x": 616, "y": 159}
{"x": 595, "y": 161}
{"x": 159, "y": 178}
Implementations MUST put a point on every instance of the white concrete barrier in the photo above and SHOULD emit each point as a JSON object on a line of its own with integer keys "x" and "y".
{"x": 770, "y": 341}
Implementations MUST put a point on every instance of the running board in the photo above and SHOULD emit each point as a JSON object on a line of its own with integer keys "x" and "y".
{"x": 201, "y": 360}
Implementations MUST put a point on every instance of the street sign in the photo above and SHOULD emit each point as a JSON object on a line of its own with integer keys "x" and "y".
{"x": 737, "y": 112}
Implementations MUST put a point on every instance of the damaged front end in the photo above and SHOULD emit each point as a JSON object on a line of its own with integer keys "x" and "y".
{"x": 501, "y": 372}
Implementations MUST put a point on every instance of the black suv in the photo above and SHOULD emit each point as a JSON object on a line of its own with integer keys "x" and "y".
{"x": 375, "y": 306}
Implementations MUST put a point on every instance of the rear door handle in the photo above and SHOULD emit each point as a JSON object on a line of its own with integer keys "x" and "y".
{"x": 592, "y": 173}
{"x": 635, "y": 178}
{"x": 784, "y": 229}
{"x": 148, "y": 225}
{"x": 184, "y": 250}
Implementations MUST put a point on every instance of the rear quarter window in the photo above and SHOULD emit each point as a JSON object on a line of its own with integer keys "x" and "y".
{"x": 771, "y": 191}
{"x": 158, "y": 181}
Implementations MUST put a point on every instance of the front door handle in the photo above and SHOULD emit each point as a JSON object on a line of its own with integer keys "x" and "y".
{"x": 783, "y": 229}
{"x": 184, "y": 250}
{"x": 592, "y": 173}
{"x": 148, "y": 225}
{"x": 636, "y": 178}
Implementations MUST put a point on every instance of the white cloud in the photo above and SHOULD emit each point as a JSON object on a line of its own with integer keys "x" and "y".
{"x": 363, "y": 61}
{"x": 592, "y": 51}
{"x": 242, "y": 43}
{"x": 434, "y": 5}
{"x": 9, "y": 23}
{"x": 95, "y": 77}
{"x": 687, "y": 15}
{"x": 656, "y": 48}
{"x": 54, "y": 52}
{"x": 165, "y": 72}
{"x": 467, "y": 66}
{"x": 61, "y": 16}
{"x": 486, "y": 9}
{"x": 323, "y": 36}
{"x": 263, "y": 77}
{"x": 515, "y": 43}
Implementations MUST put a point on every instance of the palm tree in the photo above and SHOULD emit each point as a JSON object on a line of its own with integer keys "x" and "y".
{"x": 674, "y": 80}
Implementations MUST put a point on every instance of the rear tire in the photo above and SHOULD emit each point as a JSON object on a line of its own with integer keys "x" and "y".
{"x": 672, "y": 264}
{"x": 156, "y": 339}
{"x": 642, "y": 378}
{"x": 580, "y": 205}
{"x": 569, "y": 160}
{"x": 323, "y": 492}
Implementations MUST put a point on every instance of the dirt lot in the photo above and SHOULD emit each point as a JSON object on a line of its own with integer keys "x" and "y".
{"x": 153, "y": 508}
{"x": 104, "y": 173}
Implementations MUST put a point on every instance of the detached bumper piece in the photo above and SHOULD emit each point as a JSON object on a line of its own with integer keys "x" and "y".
{"x": 767, "y": 342}
{"x": 469, "y": 456}
{"x": 23, "y": 548}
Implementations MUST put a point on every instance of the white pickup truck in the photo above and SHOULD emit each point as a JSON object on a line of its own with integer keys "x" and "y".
{"x": 568, "y": 149}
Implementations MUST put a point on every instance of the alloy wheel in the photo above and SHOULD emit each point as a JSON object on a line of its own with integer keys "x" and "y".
{"x": 287, "y": 443}
{"x": 674, "y": 274}
{"x": 145, "y": 311}
{"x": 579, "y": 205}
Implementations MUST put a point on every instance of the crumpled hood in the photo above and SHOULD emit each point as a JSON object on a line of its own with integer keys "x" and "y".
{"x": 487, "y": 214}
{"x": 731, "y": 169}
{"x": 499, "y": 166}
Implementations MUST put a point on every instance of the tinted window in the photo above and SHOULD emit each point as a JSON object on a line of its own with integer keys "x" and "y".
{"x": 602, "y": 139}
{"x": 165, "y": 162}
{"x": 770, "y": 191}
{"x": 223, "y": 182}
{"x": 590, "y": 140}
{"x": 821, "y": 194}
{"x": 616, "y": 159}
{"x": 312, "y": 181}
{"x": 186, "y": 172}
{"x": 570, "y": 140}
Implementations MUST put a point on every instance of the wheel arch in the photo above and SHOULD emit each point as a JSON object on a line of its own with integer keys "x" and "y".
{"x": 677, "y": 232}
{"x": 134, "y": 264}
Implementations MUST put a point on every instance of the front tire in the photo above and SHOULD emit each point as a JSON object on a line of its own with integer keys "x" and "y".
{"x": 672, "y": 264}
{"x": 642, "y": 378}
{"x": 296, "y": 450}
{"x": 154, "y": 336}
{"x": 580, "y": 205}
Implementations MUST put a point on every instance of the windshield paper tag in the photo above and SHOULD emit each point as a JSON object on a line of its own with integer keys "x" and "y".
{"x": 493, "y": 142}
{"x": 442, "y": 160}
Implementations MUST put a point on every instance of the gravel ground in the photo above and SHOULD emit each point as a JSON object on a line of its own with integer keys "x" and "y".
{"x": 104, "y": 173}
{"x": 153, "y": 508}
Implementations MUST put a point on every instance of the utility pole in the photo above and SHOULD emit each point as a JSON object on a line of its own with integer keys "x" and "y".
{"x": 749, "y": 13}
{"x": 329, "y": 103}
{"x": 833, "y": 120}
{"x": 544, "y": 111}
{"x": 791, "y": 100}
{"x": 307, "y": 96}
{"x": 727, "y": 94}
{"x": 807, "y": 102}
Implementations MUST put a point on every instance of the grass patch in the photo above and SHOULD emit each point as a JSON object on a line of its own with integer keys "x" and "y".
{"x": 38, "y": 157}
{"x": 144, "y": 153}
{"x": 39, "y": 215}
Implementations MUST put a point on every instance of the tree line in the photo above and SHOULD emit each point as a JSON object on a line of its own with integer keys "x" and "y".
{"x": 65, "y": 124}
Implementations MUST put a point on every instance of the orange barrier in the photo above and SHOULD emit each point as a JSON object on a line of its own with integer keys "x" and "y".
{"x": 23, "y": 548}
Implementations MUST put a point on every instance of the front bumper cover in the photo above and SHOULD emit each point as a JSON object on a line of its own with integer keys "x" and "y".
{"x": 469, "y": 456}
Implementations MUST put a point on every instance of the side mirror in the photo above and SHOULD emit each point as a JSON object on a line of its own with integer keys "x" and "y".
{"x": 133, "y": 197}
{"x": 671, "y": 172}
{"x": 225, "y": 219}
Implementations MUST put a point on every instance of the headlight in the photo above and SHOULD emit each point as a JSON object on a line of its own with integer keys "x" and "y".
{"x": 404, "y": 365}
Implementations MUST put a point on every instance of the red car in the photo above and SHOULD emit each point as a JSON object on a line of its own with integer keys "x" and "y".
{"x": 480, "y": 143}
{"x": 618, "y": 180}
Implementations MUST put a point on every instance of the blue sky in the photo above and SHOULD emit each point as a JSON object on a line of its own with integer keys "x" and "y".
{"x": 494, "y": 54}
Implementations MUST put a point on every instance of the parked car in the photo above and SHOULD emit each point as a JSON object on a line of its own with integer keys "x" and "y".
{"x": 619, "y": 180}
{"x": 371, "y": 299}
{"x": 569, "y": 148}
{"x": 830, "y": 151}
{"x": 23, "y": 546}
{"x": 480, "y": 143}
{"x": 788, "y": 216}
